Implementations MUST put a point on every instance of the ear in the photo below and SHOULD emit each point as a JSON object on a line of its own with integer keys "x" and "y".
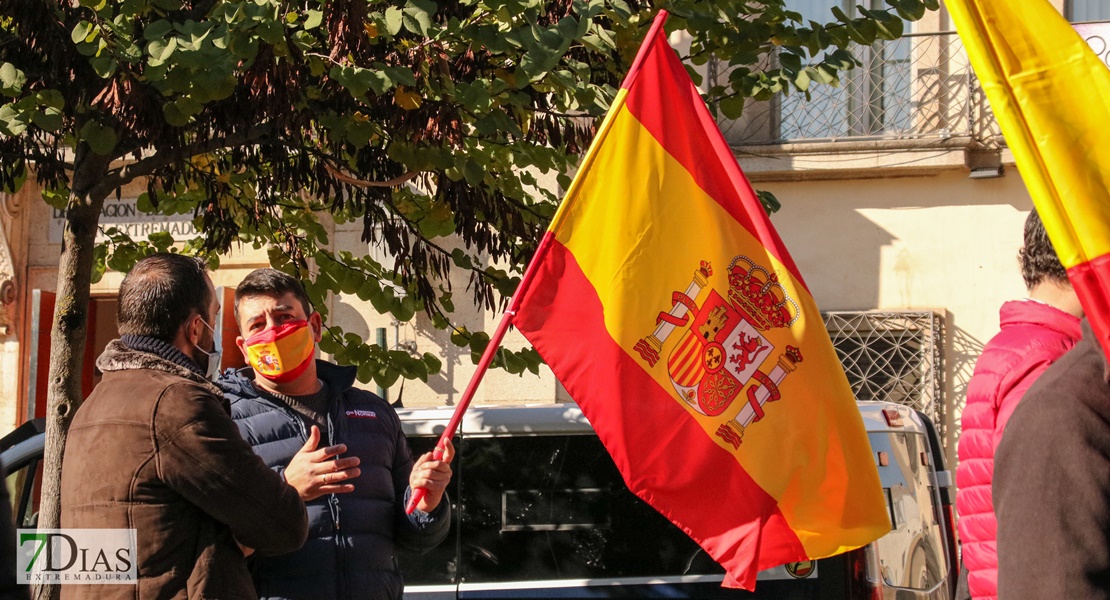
{"x": 194, "y": 328}
{"x": 317, "y": 325}
{"x": 242, "y": 345}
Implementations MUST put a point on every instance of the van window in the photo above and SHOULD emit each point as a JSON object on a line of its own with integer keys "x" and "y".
{"x": 538, "y": 508}
{"x": 555, "y": 507}
{"x": 25, "y": 492}
{"x": 912, "y": 554}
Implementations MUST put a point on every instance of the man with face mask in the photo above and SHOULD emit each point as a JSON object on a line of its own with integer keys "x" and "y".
{"x": 154, "y": 449}
{"x": 288, "y": 405}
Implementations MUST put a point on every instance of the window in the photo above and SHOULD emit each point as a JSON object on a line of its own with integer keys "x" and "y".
{"x": 25, "y": 492}
{"x": 1079, "y": 11}
{"x": 539, "y": 508}
{"x": 870, "y": 101}
{"x": 892, "y": 356}
{"x": 912, "y": 554}
{"x": 535, "y": 508}
{"x": 919, "y": 86}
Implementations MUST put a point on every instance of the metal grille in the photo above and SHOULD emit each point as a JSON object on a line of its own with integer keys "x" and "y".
{"x": 918, "y": 86}
{"x": 893, "y": 356}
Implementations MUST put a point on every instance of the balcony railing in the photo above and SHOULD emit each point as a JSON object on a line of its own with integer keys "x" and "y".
{"x": 919, "y": 86}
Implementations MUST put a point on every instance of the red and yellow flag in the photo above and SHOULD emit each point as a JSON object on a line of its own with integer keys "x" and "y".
{"x": 1049, "y": 92}
{"x": 667, "y": 305}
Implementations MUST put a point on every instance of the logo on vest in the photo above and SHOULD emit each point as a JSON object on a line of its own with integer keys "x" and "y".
{"x": 362, "y": 414}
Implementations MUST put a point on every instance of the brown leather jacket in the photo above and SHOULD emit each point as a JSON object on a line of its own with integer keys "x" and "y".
{"x": 153, "y": 448}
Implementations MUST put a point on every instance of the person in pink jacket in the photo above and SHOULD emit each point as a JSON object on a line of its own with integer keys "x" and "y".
{"x": 1035, "y": 332}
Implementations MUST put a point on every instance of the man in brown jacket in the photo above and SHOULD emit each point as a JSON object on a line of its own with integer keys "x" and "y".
{"x": 153, "y": 448}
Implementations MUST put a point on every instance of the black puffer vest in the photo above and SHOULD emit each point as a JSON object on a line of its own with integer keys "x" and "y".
{"x": 351, "y": 537}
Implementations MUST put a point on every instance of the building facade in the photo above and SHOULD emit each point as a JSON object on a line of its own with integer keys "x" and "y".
{"x": 900, "y": 204}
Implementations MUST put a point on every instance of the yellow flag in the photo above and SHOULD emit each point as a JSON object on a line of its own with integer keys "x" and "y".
{"x": 1049, "y": 92}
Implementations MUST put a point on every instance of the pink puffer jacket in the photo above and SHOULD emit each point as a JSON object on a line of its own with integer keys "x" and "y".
{"x": 1033, "y": 336}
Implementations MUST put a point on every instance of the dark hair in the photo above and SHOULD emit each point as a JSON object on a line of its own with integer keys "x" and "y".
{"x": 271, "y": 283}
{"x": 1037, "y": 257}
{"x": 160, "y": 293}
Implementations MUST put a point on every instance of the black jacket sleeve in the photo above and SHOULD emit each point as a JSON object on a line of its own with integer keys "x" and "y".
{"x": 1051, "y": 492}
{"x": 420, "y": 531}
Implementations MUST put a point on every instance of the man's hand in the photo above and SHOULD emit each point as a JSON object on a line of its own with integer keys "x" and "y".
{"x": 432, "y": 475}
{"x": 313, "y": 472}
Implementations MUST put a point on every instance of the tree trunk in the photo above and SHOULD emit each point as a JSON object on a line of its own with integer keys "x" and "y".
{"x": 67, "y": 334}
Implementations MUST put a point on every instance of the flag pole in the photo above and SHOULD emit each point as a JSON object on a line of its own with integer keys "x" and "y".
{"x": 525, "y": 282}
{"x": 483, "y": 364}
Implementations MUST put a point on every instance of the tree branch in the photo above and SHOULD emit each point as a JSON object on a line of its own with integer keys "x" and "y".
{"x": 351, "y": 180}
{"x": 125, "y": 174}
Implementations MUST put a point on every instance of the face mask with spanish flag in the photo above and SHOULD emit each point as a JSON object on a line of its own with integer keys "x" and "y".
{"x": 281, "y": 353}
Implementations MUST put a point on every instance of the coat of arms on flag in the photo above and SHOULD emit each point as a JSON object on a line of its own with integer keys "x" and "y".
{"x": 721, "y": 349}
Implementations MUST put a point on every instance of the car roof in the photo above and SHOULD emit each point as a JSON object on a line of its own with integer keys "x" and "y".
{"x": 548, "y": 419}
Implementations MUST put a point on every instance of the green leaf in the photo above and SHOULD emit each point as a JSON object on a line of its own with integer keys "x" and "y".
{"x": 478, "y": 342}
{"x": 313, "y": 19}
{"x": 13, "y": 177}
{"x": 732, "y": 107}
{"x": 366, "y": 372}
{"x": 57, "y": 198}
{"x": 386, "y": 377}
{"x": 393, "y": 20}
{"x": 80, "y": 32}
{"x": 174, "y": 115}
{"x": 359, "y": 81}
{"x": 100, "y": 138}
{"x": 368, "y": 290}
{"x": 49, "y": 119}
{"x": 383, "y": 301}
{"x": 161, "y": 240}
{"x": 433, "y": 362}
{"x": 770, "y": 203}
{"x": 157, "y": 30}
{"x": 803, "y": 80}
{"x": 417, "y": 16}
{"x": 790, "y": 62}
{"x": 11, "y": 80}
{"x": 160, "y": 50}
{"x": 889, "y": 29}
{"x": 104, "y": 65}
{"x": 460, "y": 337}
{"x": 404, "y": 309}
{"x": 100, "y": 253}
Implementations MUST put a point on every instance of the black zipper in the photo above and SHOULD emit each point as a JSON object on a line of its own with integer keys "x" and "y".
{"x": 333, "y": 505}
{"x": 333, "y": 500}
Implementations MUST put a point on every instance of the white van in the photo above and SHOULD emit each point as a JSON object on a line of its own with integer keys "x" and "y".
{"x": 541, "y": 512}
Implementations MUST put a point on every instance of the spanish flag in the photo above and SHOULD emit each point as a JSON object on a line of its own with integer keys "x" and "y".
{"x": 1049, "y": 93}
{"x": 665, "y": 302}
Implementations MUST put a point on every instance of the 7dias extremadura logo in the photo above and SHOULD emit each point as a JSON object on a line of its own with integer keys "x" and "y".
{"x": 81, "y": 556}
